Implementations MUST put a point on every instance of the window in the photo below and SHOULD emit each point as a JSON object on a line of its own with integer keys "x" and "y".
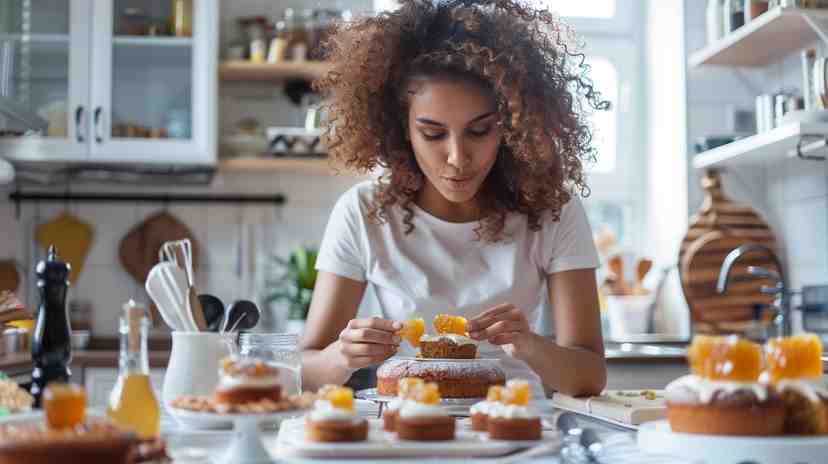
{"x": 603, "y": 9}
{"x": 605, "y": 79}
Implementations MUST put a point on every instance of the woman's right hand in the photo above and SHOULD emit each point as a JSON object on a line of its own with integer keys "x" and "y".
{"x": 366, "y": 342}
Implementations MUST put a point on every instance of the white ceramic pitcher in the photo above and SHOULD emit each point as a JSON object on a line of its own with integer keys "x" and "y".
{"x": 194, "y": 363}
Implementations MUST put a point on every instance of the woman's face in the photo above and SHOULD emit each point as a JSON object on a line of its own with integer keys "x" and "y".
{"x": 453, "y": 131}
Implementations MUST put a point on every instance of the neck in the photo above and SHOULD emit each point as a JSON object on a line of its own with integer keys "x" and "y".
{"x": 434, "y": 203}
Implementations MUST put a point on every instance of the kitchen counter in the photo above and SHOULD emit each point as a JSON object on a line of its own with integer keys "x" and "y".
{"x": 83, "y": 358}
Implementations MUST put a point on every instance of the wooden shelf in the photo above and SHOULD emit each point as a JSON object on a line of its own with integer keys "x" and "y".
{"x": 152, "y": 41}
{"x": 773, "y": 145}
{"x": 271, "y": 72}
{"x": 320, "y": 166}
{"x": 770, "y": 37}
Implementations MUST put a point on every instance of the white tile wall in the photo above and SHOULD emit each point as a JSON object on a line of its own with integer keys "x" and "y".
{"x": 791, "y": 194}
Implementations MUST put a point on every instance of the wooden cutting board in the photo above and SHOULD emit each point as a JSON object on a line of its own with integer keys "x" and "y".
{"x": 9, "y": 277}
{"x": 71, "y": 236}
{"x": 632, "y": 407}
{"x": 719, "y": 227}
{"x": 138, "y": 250}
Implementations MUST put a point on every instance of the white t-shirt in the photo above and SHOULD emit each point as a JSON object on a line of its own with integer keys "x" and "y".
{"x": 440, "y": 267}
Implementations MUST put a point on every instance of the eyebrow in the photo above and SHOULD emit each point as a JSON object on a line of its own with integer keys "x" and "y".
{"x": 435, "y": 123}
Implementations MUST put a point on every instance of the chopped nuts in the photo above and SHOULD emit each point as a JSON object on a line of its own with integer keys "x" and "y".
{"x": 207, "y": 404}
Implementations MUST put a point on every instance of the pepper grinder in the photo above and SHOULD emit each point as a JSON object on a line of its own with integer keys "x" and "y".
{"x": 51, "y": 343}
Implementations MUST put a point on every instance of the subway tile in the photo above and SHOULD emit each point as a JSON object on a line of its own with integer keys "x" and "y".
{"x": 804, "y": 179}
{"x": 110, "y": 222}
{"x": 107, "y": 287}
{"x": 805, "y": 231}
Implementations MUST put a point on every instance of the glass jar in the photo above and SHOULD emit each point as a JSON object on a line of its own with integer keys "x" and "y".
{"x": 280, "y": 349}
{"x": 182, "y": 18}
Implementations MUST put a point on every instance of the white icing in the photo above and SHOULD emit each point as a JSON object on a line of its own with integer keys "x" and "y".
{"x": 813, "y": 389}
{"x": 395, "y": 404}
{"x": 511, "y": 411}
{"x": 456, "y": 339}
{"x": 483, "y": 407}
{"x": 323, "y": 410}
{"x": 227, "y": 382}
{"x": 414, "y": 409}
{"x": 704, "y": 389}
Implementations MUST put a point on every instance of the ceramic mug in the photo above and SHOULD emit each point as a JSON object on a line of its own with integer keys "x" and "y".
{"x": 194, "y": 363}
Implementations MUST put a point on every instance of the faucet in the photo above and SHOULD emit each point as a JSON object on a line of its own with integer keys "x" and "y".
{"x": 782, "y": 300}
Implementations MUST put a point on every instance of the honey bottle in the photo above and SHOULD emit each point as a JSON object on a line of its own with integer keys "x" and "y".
{"x": 132, "y": 402}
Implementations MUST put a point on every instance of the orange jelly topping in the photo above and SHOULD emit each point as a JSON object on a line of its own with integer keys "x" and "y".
{"x": 448, "y": 324}
{"x": 517, "y": 392}
{"x": 427, "y": 394}
{"x": 727, "y": 358}
{"x": 340, "y": 397}
{"x": 412, "y": 331}
{"x": 794, "y": 357}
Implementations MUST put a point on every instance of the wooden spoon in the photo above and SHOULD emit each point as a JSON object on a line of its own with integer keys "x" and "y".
{"x": 616, "y": 266}
{"x": 642, "y": 267}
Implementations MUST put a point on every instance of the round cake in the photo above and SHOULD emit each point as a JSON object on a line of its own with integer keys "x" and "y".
{"x": 466, "y": 379}
{"x": 93, "y": 442}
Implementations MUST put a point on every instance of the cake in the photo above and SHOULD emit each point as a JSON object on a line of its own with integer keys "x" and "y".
{"x": 65, "y": 433}
{"x": 333, "y": 420}
{"x": 451, "y": 342}
{"x": 247, "y": 380}
{"x": 722, "y": 395}
{"x": 511, "y": 418}
{"x": 479, "y": 412}
{"x": 470, "y": 379}
{"x": 794, "y": 368}
{"x": 421, "y": 417}
{"x": 405, "y": 389}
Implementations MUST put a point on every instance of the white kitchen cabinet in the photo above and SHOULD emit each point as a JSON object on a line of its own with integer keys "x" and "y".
{"x": 129, "y": 98}
{"x": 99, "y": 382}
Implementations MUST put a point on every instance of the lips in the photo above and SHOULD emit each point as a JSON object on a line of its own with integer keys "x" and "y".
{"x": 458, "y": 183}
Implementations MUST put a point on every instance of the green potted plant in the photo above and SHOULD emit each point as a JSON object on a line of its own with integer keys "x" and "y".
{"x": 291, "y": 281}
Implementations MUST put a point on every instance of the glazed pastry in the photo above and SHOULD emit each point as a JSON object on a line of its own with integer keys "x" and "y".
{"x": 333, "y": 420}
{"x": 244, "y": 380}
{"x": 511, "y": 418}
{"x": 480, "y": 411}
{"x": 422, "y": 418}
{"x": 406, "y": 389}
{"x": 455, "y": 379}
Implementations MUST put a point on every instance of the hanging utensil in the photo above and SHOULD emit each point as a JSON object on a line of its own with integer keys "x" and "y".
{"x": 616, "y": 266}
{"x": 241, "y": 315}
{"x": 213, "y": 311}
{"x": 642, "y": 267}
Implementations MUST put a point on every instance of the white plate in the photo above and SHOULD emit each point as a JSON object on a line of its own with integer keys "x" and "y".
{"x": 371, "y": 394}
{"x": 381, "y": 444}
{"x": 215, "y": 421}
{"x": 657, "y": 437}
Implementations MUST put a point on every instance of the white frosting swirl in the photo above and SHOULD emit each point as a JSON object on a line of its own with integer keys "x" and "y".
{"x": 456, "y": 339}
{"x": 511, "y": 411}
{"x": 414, "y": 409}
{"x": 811, "y": 388}
{"x": 323, "y": 410}
{"x": 483, "y": 407}
{"x": 703, "y": 389}
{"x": 227, "y": 382}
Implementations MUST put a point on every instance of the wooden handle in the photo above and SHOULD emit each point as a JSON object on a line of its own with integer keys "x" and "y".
{"x": 198, "y": 311}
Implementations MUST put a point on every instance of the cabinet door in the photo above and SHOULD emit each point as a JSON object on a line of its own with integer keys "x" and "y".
{"x": 44, "y": 49}
{"x": 154, "y": 90}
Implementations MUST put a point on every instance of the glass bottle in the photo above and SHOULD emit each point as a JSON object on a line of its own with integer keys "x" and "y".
{"x": 298, "y": 43}
{"x": 279, "y": 349}
{"x": 182, "y": 18}
{"x": 132, "y": 402}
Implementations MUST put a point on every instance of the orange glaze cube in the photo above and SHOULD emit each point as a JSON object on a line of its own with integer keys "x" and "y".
{"x": 340, "y": 398}
{"x": 794, "y": 357}
{"x": 728, "y": 358}
{"x": 448, "y": 324}
{"x": 412, "y": 331}
{"x": 427, "y": 393}
{"x": 407, "y": 386}
{"x": 517, "y": 392}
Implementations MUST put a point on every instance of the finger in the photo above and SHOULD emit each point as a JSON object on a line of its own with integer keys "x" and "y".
{"x": 499, "y": 328}
{"x": 377, "y": 323}
{"x": 370, "y": 336}
{"x": 506, "y": 313}
{"x": 367, "y": 349}
{"x": 506, "y": 338}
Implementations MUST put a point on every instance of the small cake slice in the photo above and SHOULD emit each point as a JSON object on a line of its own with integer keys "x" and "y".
{"x": 480, "y": 411}
{"x": 512, "y": 419}
{"x": 405, "y": 390}
{"x": 451, "y": 342}
{"x": 421, "y": 418}
{"x": 247, "y": 380}
{"x": 333, "y": 420}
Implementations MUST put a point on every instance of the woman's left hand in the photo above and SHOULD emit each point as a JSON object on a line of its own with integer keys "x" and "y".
{"x": 505, "y": 325}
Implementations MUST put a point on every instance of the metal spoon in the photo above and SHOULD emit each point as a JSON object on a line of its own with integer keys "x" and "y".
{"x": 213, "y": 311}
{"x": 241, "y": 315}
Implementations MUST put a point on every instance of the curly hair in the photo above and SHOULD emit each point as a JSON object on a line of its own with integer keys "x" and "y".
{"x": 529, "y": 60}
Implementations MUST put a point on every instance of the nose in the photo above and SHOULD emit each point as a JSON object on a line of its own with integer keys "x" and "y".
{"x": 457, "y": 156}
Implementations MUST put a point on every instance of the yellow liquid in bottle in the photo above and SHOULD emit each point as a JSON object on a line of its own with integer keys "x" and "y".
{"x": 132, "y": 404}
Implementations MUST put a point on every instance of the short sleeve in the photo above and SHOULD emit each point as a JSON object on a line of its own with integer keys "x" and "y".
{"x": 567, "y": 244}
{"x": 342, "y": 250}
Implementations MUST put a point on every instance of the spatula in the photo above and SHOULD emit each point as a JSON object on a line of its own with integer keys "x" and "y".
{"x": 616, "y": 266}
{"x": 642, "y": 267}
{"x": 164, "y": 299}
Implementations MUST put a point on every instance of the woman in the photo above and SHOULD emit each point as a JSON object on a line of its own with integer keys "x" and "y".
{"x": 474, "y": 110}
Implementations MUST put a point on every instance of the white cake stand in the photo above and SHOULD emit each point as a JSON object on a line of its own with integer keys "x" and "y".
{"x": 246, "y": 447}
